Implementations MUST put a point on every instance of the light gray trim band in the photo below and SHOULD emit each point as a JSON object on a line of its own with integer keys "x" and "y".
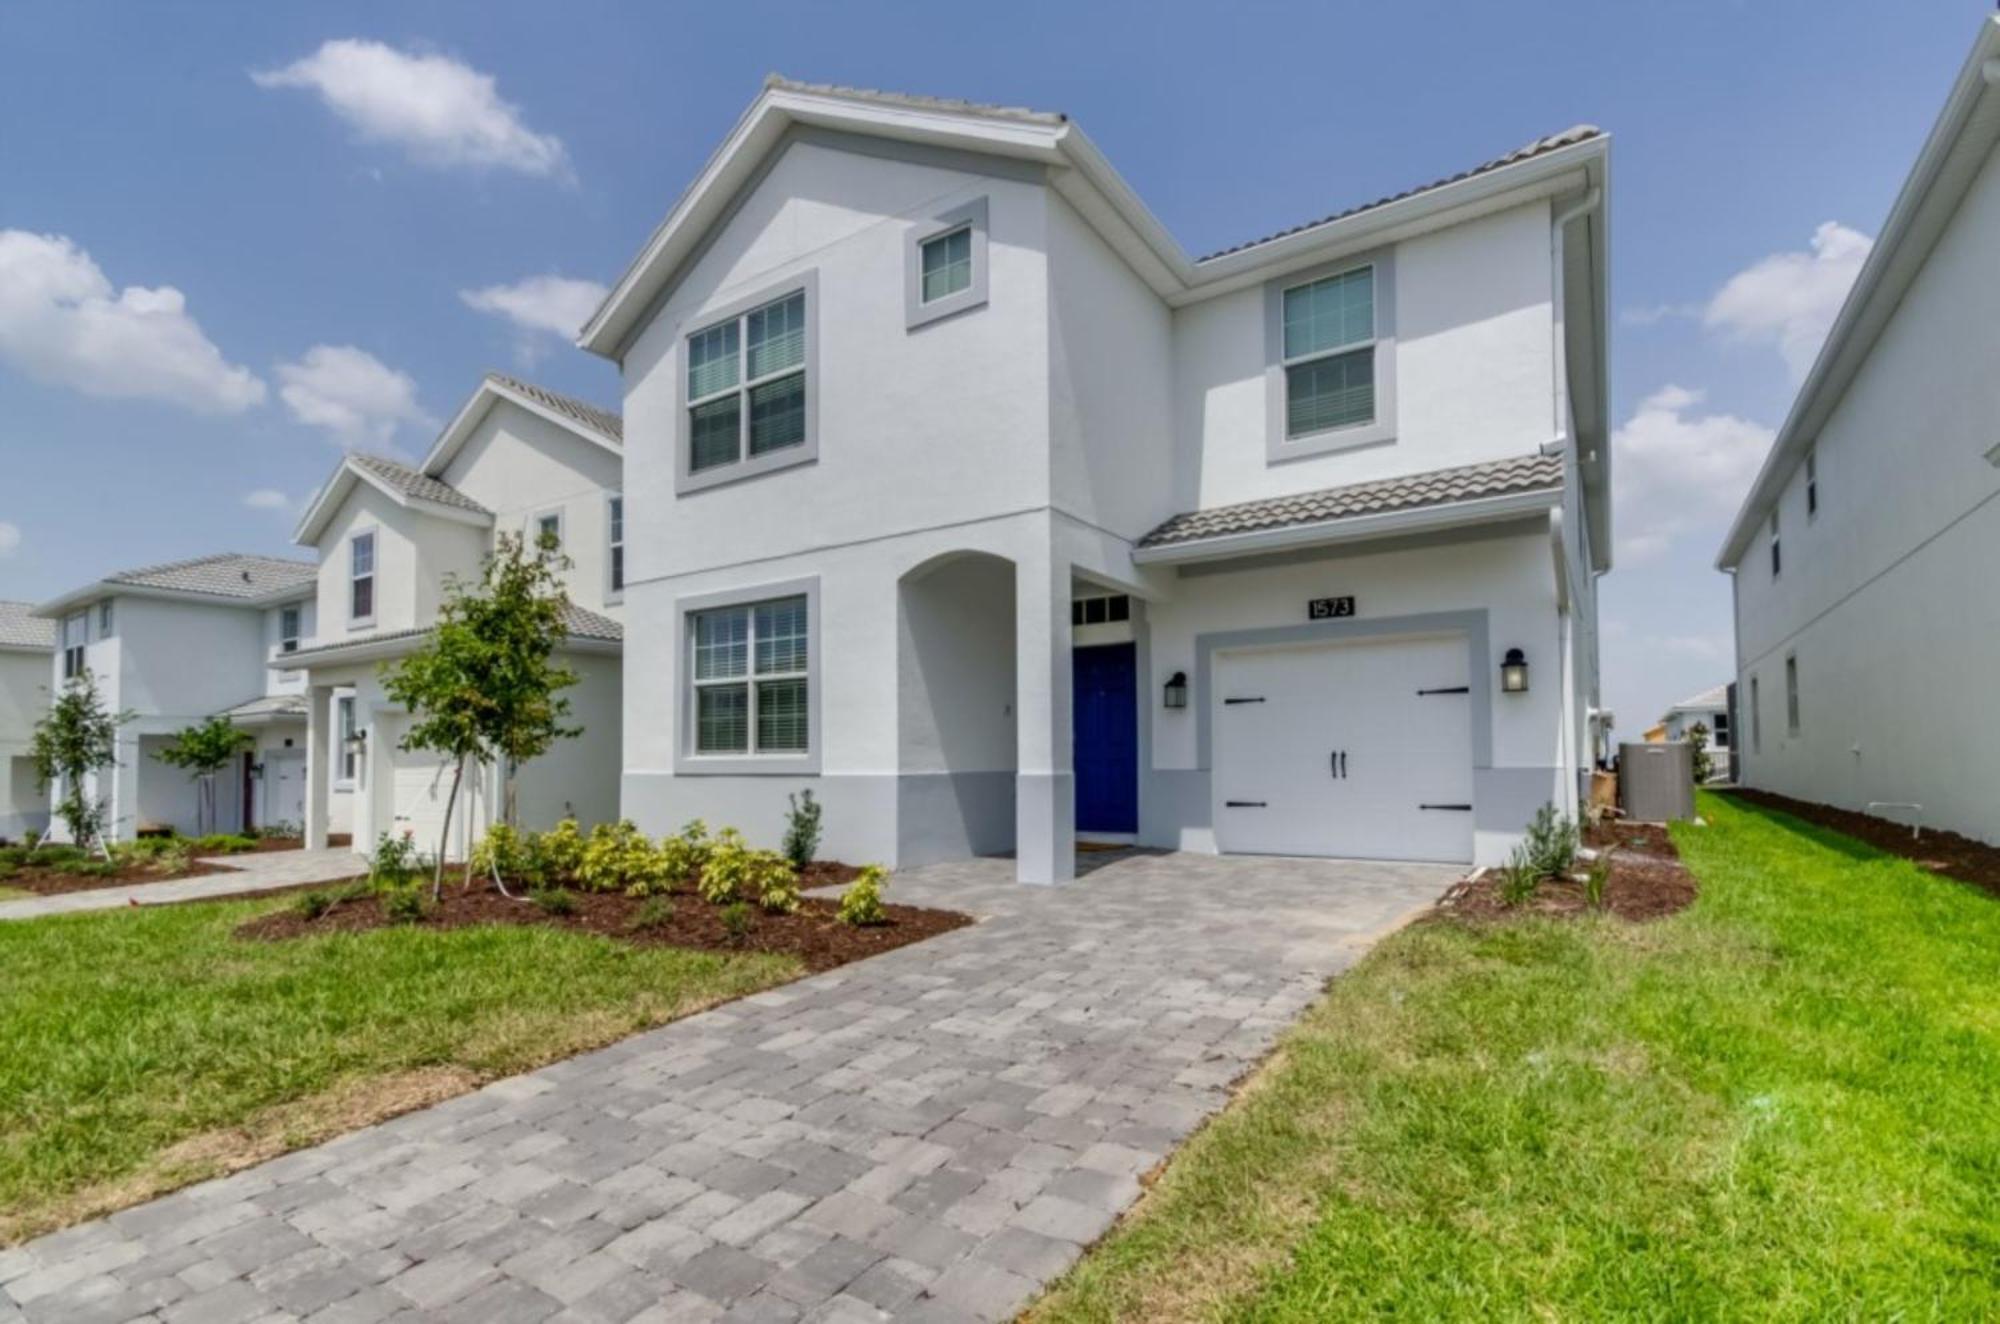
{"x": 1277, "y": 446}
{"x": 1472, "y": 624}
{"x": 689, "y": 764}
{"x": 916, "y": 312}
{"x": 750, "y": 466}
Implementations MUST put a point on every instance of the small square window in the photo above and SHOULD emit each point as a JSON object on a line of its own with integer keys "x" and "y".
{"x": 947, "y": 264}
{"x": 288, "y": 630}
{"x": 104, "y": 619}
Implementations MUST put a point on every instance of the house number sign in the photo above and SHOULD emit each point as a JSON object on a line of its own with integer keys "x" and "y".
{"x": 1325, "y": 609}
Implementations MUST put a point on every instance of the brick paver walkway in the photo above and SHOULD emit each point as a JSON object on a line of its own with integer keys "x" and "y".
{"x": 930, "y": 1134}
{"x": 242, "y": 874}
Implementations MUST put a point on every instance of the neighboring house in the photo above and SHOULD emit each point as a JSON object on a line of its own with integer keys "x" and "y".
{"x": 26, "y": 641}
{"x": 518, "y": 460}
{"x": 1711, "y": 709}
{"x": 1655, "y": 734}
{"x": 174, "y": 645}
{"x": 980, "y": 508}
{"x": 1867, "y": 618}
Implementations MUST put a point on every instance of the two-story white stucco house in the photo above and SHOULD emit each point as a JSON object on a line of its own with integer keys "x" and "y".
{"x": 26, "y": 641}
{"x": 971, "y": 501}
{"x": 516, "y": 459}
{"x": 1710, "y": 710}
{"x": 174, "y": 645}
{"x": 1867, "y": 618}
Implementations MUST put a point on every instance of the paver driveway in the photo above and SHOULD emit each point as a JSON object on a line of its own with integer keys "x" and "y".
{"x": 930, "y": 1134}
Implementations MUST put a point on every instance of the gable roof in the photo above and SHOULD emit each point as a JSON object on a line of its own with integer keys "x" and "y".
{"x": 407, "y": 487}
{"x": 587, "y": 630}
{"x": 1717, "y": 697}
{"x": 600, "y": 427}
{"x": 23, "y": 631}
{"x": 235, "y": 577}
{"x": 1571, "y": 162}
{"x": 1185, "y": 536}
{"x": 413, "y": 483}
{"x": 1959, "y": 144}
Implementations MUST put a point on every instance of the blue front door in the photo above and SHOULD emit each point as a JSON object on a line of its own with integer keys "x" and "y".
{"x": 1106, "y": 710}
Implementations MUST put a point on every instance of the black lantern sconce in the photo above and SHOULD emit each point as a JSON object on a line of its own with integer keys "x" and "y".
{"x": 1514, "y": 672}
{"x": 1176, "y": 691}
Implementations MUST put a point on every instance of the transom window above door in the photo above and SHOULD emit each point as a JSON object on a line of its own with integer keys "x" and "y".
{"x": 748, "y": 388}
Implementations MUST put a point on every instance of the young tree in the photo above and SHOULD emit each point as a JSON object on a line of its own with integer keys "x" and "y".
{"x": 486, "y": 685}
{"x": 203, "y": 751}
{"x": 1704, "y": 763}
{"x": 77, "y": 736}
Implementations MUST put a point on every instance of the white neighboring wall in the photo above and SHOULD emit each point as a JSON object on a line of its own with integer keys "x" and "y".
{"x": 24, "y": 697}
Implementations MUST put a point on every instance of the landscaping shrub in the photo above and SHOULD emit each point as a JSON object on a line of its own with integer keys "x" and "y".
{"x": 1551, "y": 843}
{"x": 279, "y": 832}
{"x": 683, "y": 857}
{"x": 776, "y": 882}
{"x": 619, "y": 857}
{"x": 1593, "y": 881}
{"x": 311, "y": 905}
{"x": 394, "y": 862}
{"x": 221, "y": 843}
{"x": 553, "y": 900}
{"x": 653, "y": 913}
{"x": 503, "y": 852}
{"x": 1519, "y": 877}
{"x": 802, "y": 829}
{"x": 737, "y": 921}
{"x": 405, "y": 903}
{"x": 727, "y": 868}
{"x": 556, "y": 855}
{"x": 861, "y": 903}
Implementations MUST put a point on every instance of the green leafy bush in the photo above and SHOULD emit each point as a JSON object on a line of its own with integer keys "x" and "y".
{"x": 1551, "y": 843}
{"x": 683, "y": 857}
{"x": 861, "y": 903}
{"x": 405, "y": 903}
{"x": 802, "y": 829}
{"x": 1595, "y": 879}
{"x": 311, "y": 905}
{"x": 1519, "y": 877}
{"x": 222, "y": 843}
{"x": 726, "y": 871}
{"x": 618, "y": 857}
{"x": 502, "y": 851}
{"x": 737, "y": 921}
{"x": 394, "y": 862}
{"x": 553, "y": 900}
{"x": 653, "y": 913}
{"x": 777, "y": 883}
{"x": 555, "y": 856}
{"x": 279, "y": 832}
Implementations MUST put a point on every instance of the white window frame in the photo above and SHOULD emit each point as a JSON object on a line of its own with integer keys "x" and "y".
{"x": 792, "y": 763}
{"x": 540, "y": 518}
{"x": 75, "y": 657}
{"x": 1792, "y": 726}
{"x": 346, "y": 758}
{"x": 1278, "y": 447}
{"x": 614, "y": 546}
{"x": 104, "y": 619}
{"x": 288, "y": 639}
{"x": 374, "y": 575}
{"x": 746, "y": 465}
{"x": 919, "y": 311}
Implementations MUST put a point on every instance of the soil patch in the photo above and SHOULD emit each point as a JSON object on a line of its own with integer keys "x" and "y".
{"x": 811, "y": 933}
{"x": 55, "y": 882}
{"x": 1941, "y": 852}
{"x": 1647, "y": 881}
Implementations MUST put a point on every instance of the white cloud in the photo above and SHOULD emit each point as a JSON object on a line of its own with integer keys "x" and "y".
{"x": 1657, "y": 313}
{"x": 349, "y": 393}
{"x": 1677, "y": 470}
{"x": 63, "y": 322}
{"x": 1790, "y": 299}
{"x": 441, "y": 111}
{"x": 557, "y": 304}
{"x": 10, "y": 538}
{"x": 267, "y": 498}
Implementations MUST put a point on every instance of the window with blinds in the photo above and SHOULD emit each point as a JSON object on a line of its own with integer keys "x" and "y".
{"x": 1329, "y": 353}
{"x": 947, "y": 264}
{"x": 746, "y": 385}
{"x": 750, "y": 671}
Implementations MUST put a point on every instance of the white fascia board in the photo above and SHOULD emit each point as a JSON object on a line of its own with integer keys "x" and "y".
{"x": 474, "y": 411}
{"x": 327, "y": 500}
{"x": 57, "y": 608}
{"x": 1352, "y": 528}
{"x": 1892, "y": 264}
{"x": 396, "y": 645}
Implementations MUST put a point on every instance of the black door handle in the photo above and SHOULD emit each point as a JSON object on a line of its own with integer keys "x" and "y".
{"x": 1343, "y": 765}
{"x": 1336, "y": 764}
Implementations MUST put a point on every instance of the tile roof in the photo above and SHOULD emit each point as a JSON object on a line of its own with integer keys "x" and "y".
{"x": 582, "y": 411}
{"x": 20, "y": 628}
{"x": 224, "y": 575}
{"x": 1569, "y": 137}
{"x": 269, "y": 707}
{"x": 1523, "y": 473}
{"x": 1715, "y": 698}
{"x": 916, "y": 102}
{"x": 581, "y": 622}
{"x": 412, "y": 483}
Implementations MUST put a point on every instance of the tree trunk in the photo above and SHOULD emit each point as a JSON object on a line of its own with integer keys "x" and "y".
{"x": 444, "y": 837}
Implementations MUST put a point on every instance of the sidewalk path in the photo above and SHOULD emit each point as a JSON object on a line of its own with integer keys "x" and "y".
{"x": 241, "y": 874}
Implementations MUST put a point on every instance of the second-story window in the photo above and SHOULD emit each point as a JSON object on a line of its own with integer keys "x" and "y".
{"x": 1777, "y": 555}
{"x": 1330, "y": 353}
{"x": 746, "y": 385}
{"x": 288, "y": 629}
{"x": 361, "y": 578}
{"x": 947, "y": 264}
{"x": 1812, "y": 483}
{"x": 104, "y": 619}
{"x": 616, "y": 515}
{"x": 548, "y": 530}
{"x": 75, "y": 633}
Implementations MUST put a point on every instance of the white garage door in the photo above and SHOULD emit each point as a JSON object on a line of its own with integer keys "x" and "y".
{"x": 420, "y": 787}
{"x": 1358, "y": 751}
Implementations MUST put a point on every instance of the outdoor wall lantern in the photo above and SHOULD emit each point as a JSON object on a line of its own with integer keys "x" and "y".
{"x": 1514, "y": 672}
{"x": 1176, "y": 696}
{"x": 358, "y": 741}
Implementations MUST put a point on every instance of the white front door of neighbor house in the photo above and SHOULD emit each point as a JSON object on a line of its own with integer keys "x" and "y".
{"x": 284, "y": 788}
{"x": 1354, "y": 750}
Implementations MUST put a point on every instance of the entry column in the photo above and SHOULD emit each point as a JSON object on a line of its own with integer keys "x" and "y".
{"x": 319, "y": 700}
{"x": 1044, "y": 780}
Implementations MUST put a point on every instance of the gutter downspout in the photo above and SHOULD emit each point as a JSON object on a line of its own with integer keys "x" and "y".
{"x": 1559, "y": 412}
{"x": 1559, "y": 422}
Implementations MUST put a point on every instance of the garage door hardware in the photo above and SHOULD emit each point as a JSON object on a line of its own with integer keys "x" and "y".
{"x": 1244, "y": 804}
{"x": 1337, "y": 764}
{"x": 1258, "y": 699}
{"x": 1446, "y": 689}
{"x": 1463, "y": 809}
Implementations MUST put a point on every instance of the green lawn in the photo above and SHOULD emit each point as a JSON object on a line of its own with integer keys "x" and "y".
{"x": 1783, "y": 1103}
{"x": 140, "y": 1050}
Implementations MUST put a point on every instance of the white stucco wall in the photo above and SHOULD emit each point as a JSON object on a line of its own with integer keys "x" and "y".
{"x": 414, "y": 553}
{"x": 1886, "y": 597}
{"x": 24, "y": 697}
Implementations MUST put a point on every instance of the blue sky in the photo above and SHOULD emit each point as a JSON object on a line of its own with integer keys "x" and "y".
{"x": 328, "y": 239}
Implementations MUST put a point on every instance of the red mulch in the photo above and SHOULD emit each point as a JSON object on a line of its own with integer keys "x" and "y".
{"x": 1941, "y": 852}
{"x": 52, "y": 882}
{"x": 1647, "y": 881}
{"x": 811, "y": 933}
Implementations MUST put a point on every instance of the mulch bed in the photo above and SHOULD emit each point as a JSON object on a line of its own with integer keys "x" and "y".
{"x": 1647, "y": 881}
{"x": 1941, "y": 852}
{"x": 811, "y": 933}
{"x": 54, "y": 882}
